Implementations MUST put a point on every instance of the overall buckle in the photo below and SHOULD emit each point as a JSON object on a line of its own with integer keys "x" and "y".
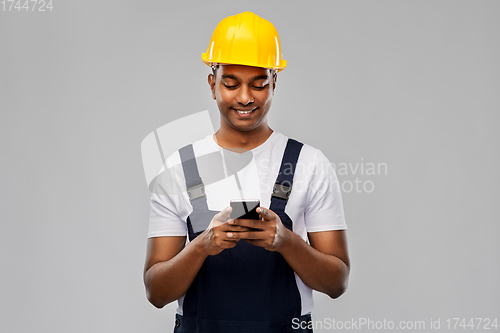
{"x": 281, "y": 191}
{"x": 195, "y": 192}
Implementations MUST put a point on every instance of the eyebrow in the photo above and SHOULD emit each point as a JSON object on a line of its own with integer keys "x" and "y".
{"x": 255, "y": 78}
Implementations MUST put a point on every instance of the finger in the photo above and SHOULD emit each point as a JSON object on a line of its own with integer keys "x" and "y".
{"x": 227, "y": 245}
{"x": 234, "y": 228}
{"x": 257, "y": 242}
{"x": 266, "y": 214}
{"x": 248, "y": 235}
{"x": 255, "y": 224}
{"x": 230, "y": 241}
{"x": 223, "y": 215}
{"x": 223, "y": 239}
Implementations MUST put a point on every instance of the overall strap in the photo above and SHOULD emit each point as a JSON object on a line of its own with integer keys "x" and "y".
{"x": 194, "y": 184}
{"x": 196, "y": 192}
{"x": 283, "y": 186}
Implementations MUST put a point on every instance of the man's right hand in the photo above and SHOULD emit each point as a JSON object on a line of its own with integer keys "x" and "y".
{"x": 217, "y": 236}
{"x": 171, "y": 266}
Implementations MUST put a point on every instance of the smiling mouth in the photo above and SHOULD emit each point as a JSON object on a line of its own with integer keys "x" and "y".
{"x": 244, "y": 113}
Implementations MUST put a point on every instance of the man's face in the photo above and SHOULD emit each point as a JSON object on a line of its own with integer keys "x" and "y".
{"x": 243, "y": 95}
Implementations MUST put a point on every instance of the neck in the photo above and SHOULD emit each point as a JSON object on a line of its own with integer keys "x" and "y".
{"x": 242, "y": 140}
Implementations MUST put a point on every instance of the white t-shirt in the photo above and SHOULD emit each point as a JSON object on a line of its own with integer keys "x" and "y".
{"x": 315, "y": 203}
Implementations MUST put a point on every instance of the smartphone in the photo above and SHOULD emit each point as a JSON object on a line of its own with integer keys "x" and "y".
{"x": 245, "y": 209}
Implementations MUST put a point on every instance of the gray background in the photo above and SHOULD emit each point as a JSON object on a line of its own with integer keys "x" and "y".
{"x": 413, "y": 84}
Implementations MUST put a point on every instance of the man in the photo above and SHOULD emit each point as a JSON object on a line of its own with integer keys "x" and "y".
{"x": 241, "y": 275}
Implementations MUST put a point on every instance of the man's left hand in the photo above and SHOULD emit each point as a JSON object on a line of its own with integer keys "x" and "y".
{"x": 269, "y": 233}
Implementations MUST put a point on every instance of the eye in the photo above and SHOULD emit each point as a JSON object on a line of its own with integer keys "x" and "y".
{"x": 230, "y": 87}
{"x": 260, "y": 88}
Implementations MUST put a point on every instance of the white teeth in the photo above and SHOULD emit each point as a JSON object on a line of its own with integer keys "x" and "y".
{"x": 244, "y": 112}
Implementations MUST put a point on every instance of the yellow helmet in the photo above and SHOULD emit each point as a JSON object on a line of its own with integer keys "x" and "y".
{"x": 245, "y": 39}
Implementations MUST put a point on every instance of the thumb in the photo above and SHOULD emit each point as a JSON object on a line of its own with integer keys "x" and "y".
{"x": 223, "y": 215}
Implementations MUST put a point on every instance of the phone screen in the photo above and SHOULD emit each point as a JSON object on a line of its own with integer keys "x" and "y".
{"x": 245, "y": 209}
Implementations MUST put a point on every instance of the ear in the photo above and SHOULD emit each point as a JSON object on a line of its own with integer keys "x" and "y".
{"x": 211, "y": 83}
{"x": 275, "y": 78}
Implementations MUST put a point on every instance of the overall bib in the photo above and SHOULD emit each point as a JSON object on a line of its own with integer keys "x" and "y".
{"x": 245, "y": 288}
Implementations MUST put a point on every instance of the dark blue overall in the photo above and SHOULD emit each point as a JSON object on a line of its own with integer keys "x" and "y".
{"x": 245, "y": 288}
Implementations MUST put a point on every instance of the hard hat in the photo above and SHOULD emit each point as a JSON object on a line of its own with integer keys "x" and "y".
{"x": 245, "y": 39}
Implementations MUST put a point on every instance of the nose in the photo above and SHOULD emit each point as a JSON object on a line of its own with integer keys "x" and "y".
{"x": 244, "y": 96}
